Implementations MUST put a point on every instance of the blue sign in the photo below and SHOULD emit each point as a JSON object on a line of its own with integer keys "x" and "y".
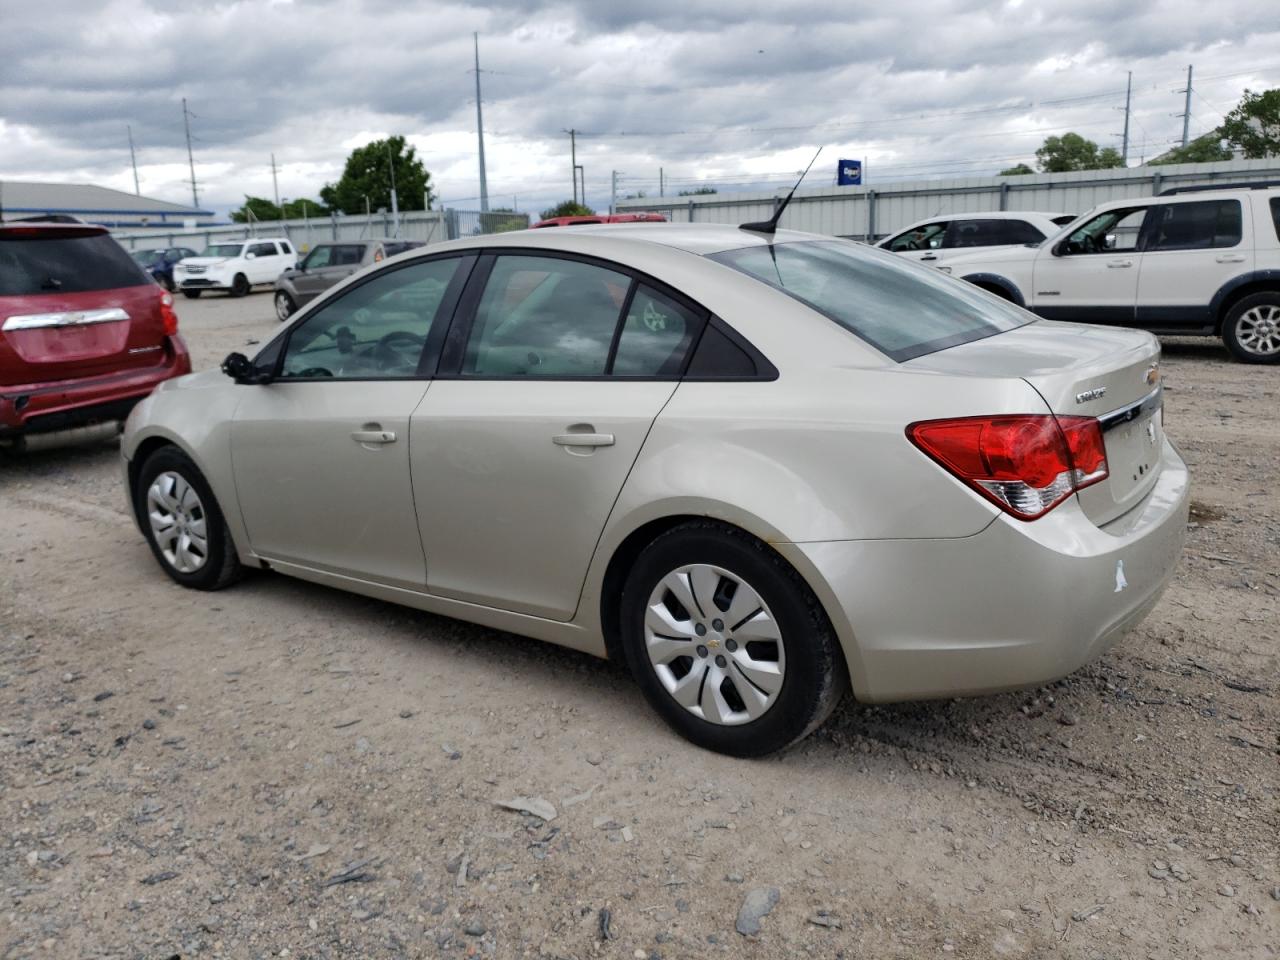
{"x": 849, "y": 173}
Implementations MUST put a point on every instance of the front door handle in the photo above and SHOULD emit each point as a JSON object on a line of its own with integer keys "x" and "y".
{"x": 1119, "y": 264}
{"x": 1230, "y": 258}
{"x": 374, "y": 436}
{"x": 583, "y": 439}
{"x": 929, "y": 256}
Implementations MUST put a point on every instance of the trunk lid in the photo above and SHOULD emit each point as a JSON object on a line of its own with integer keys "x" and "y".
{"x": 73, "y": 304}
{"x": 1110, "y": 373}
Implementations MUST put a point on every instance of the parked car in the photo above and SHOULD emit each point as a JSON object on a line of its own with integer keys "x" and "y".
{"x": 235, "y": 266}
{"x": 329, "y": 263}
{"x": 84, "y": 332}
{"x": 936, "y": 238}
{"x": 1189, "y": 261}
{"x": 159, "y": 263}
{"x": 600, "y": 218}
{"x": 758, "y": 467}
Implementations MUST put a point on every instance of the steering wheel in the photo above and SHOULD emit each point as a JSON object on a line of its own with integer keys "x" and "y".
{"x": 385, "y": 353}
{"x": 314, "y": 372}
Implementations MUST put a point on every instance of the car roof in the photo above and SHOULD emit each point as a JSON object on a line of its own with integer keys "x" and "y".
{"x": 699, "y": 238}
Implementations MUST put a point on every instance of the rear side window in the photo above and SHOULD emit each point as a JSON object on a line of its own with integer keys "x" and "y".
{"x": 264, "y": 250}
{"x": 1194, "y": 226}
{"x": 895, "y": 306}
{"x": 655, "y": 336}
{"x": 284, "y": 246}
{"x": 62, "y": 264}
{"x": 348, "y": 254}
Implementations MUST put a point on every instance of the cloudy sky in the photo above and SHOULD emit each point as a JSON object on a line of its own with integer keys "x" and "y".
{"x": 716, "y": 93}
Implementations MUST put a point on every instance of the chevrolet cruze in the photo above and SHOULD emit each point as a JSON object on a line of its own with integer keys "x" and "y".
{"x": 759, "y": 468}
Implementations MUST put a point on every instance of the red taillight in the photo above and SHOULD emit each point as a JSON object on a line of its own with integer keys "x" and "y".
{"x": 1026, "y": 464}
{"x": 167, "y": 315}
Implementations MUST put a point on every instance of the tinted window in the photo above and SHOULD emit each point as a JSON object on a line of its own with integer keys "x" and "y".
{"x": 263, "y": 250}
{"x": 65, "y": 265}
{"x": 375, "y": 330}
{"x": 349, "y": 254}
{"x": 927, "y": 237}
{"x": 284, "y": 246}
{"x": 545, "y": 317}
{"x": 991, "y": 233}
{"x": 1194, "y": 226}
{"x": 319, "y": 257}
{"x": 391, "y": 249}
{"x": 898, "y": 308}
{"x": 1275, "y": 215}
{"x": 655, "y": 336}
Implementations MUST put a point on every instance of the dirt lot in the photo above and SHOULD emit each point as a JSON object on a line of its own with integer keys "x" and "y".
{"x": 284, "y": 770}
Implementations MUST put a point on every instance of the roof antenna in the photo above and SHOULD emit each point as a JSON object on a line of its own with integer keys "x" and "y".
{"x": 770, "y": 226}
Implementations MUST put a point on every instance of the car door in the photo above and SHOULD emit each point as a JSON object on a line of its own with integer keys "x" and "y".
{"x": 1191, "y": 249}
{"x": 1091, "y": 275}
{"x": 321, "y": 453}
{"x": 260, "y": 262}
{"x": 310, "y": 279}
{"x": 543, "y": 400}
{"x": 920, "y": 242}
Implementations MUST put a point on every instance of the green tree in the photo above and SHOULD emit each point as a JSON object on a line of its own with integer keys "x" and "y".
{"x": 368, "y": 174}
{"x": 1200, "y": 150}
{"x": 1254, "y": 125}
{"x": 567, "y": 208}
{"x": 697, "y": 192}
{"x": 1073, "y": 152}
{"x": 259, "y": 208}
{"x": 1020, "y": 170}
{"x": 304, "y": 207}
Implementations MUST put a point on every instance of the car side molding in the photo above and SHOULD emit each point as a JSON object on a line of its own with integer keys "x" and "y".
{"x": 994, "y": 279}
{"x": 1267, "y": 277}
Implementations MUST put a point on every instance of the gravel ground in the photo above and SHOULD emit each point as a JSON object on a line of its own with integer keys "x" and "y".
{"x": 285, "y": 770}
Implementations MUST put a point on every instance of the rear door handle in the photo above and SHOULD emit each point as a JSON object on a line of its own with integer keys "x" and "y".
{"x": 583, "y": 439}
{"x": 1119, "y": 264}
{"x": 374, "y": 436}
{"x": 1230, "y": 258}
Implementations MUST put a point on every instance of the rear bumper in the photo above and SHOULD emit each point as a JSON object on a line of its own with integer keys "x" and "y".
{"x": 1016, "y": 605}
{"x": 65, "y": 404}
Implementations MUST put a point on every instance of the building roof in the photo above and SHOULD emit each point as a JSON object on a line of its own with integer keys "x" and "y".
{"x": 25, "y": 197}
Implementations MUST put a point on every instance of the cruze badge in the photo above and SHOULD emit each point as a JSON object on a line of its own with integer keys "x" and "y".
{"x": 1093, "y": 394}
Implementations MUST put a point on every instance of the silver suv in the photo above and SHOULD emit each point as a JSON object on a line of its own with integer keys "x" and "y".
{"x": 328, "y": 264}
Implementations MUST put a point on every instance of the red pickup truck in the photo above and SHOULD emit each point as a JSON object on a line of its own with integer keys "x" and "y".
{"x": 601, "y": 218}
{"x": 85, "y": 332}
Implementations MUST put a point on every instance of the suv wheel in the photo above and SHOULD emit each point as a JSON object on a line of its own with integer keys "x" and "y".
{"x": 182, "y": 522}
{"x": 1251, "y": 328}
{"x": 192, "y": 294}
{"x": 727, "y": 642}
{"x": 240, "y": 285}
{"x": 284, "y": 306}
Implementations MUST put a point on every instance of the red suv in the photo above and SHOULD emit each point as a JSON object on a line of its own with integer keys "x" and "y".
{"x": 85, "y": 333}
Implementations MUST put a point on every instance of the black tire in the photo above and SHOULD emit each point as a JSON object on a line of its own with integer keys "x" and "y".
{"x": 192, "y": 294}
{"x": 815, "y": 677}
{"x": 240, "y": 285}
{"x": 221, "y": 566}
{"x": 285, "y": 306}
{"x": 1235, "y": 319}
{"x": 166, "y": 282}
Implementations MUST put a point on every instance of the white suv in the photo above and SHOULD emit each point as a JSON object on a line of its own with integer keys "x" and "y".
{"x": 938, "y": 238}
{"x": 236, "y": 266}
{"x": 1189, "y": 261}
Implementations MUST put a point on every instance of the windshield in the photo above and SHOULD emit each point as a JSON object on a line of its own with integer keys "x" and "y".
{"x": 222, "y": 250}
{"x": 900, "y": 308}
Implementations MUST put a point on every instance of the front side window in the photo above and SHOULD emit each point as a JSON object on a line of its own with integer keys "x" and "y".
{"x": 896, "y": 307}
{"x": 1110, "y": 232}
{"x": 373, "y": 331}
{"x": 321, "y": 256}
{"x": 545, "y": 317}
{"x": 1195, "y": 226}
{"x": 926, "y": 237}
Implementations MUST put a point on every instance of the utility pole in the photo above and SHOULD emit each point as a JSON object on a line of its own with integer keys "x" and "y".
{"x": 661, "y": 178}
{"x": 484, "y": 186}
{"x": 133, "y": 158}
{"x": 186, "y": 123}
{"x": 573, "y": 155}
{"x": 275, "y": 184}
{"x": 1128, "y": 94}
{"x": 1186, "y": 110}
{"x": 395, "y": 209}
{"x": 613, "y": 193}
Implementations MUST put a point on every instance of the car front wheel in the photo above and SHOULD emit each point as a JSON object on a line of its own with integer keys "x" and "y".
{"x": 727, "y": 642}
{"x": 284, "y": 306}
{"x": 192, "y": 294}
{"x": 1251, "y": 328}
{"x": 182, "y": 522}
{"x": 240, "y": 285}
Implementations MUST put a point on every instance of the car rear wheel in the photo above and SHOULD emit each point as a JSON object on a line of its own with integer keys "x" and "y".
{"x": 192, "y": 294}
{"x": 727, "y": 642}
{"x": 182, "y": 522}
{"x": 1251, "y": 329}
{"x": 284, "y": 306}
{"x": 240, "y": 285}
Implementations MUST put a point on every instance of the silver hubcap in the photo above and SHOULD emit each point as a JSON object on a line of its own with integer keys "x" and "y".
{"x": 1258, "y": 330}
{"x": 178, "y": 522}
{"x": 282, "y": 306}
{"x": 714, "y": 644}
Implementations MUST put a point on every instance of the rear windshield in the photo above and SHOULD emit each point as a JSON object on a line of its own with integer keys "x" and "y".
{"x": 900, "y": 308}
{"x": 62, "y": 264}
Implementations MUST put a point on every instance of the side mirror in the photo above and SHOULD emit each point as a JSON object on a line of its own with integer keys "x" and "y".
{"x": 251, "y": 256}
{"x": 241, "y": 369}
{"x": 1110, "y": 241}
{"x": 300, "y": 267}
